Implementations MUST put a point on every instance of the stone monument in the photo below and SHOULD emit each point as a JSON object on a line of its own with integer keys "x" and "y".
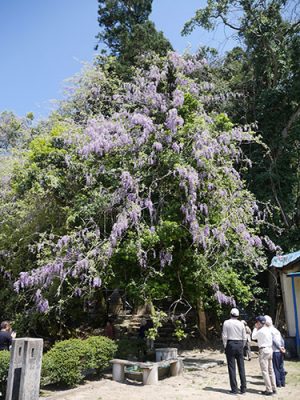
{"x": 24, "y": 374}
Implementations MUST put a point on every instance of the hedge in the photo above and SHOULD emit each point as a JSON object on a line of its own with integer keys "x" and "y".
{"x": 4, "y": 366}
{"x": 68, "y": 360}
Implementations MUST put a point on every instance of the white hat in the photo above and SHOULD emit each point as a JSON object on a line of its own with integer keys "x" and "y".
{"x": 269, "y": 321}
{"x": 234, "y": 312}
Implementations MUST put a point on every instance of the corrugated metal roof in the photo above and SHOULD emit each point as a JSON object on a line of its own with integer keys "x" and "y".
{"x": 284, "y": 260}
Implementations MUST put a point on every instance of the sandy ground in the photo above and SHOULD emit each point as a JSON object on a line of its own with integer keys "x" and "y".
{"x": 208, "y": 384}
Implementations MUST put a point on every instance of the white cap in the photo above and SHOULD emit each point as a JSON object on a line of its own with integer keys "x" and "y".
{"x": 234, "y": 312}
{"x": 269, "y": 321}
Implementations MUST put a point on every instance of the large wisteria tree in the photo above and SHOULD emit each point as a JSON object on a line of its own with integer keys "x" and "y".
{"x": 147, "y": 193}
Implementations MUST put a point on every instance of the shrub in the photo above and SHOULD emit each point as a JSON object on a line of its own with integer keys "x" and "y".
{"x": 67, "y": 361}
{"x": 103, "y": 350}
{"x": 4, "y": 366}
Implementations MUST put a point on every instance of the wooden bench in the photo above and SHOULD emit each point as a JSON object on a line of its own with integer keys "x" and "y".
{"x": 149, "y": 369}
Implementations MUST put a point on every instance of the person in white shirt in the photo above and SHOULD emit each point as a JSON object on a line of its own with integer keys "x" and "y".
{"x": 278, "y": 353}
{"x": 234, "y": 340}
{"x": 263, "y": 335}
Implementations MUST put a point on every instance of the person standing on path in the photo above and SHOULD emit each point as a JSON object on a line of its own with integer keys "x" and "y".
{"x": 6, "y": 336}
{"x": 263, "y": 335}
{"x": 234, "y": 340}
{"x": 247, "y": 348}
{"x": 278, "y": 353}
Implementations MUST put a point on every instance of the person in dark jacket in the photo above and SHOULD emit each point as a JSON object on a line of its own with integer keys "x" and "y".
{"x": 5, "y": 336}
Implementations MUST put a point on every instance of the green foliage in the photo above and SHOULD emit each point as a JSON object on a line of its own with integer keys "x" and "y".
{"x": 68, "y": 360}
{"x": 265, "y": 74}
{"x": 160, "y": 215}
{"x": 179, "y": 332}
{"x": 14, "y": 131}
{"x": 157, "y": 318}
{"x": 189, "y": 107}
{"x": 127, "y": 31}
{"x": 223, "y": 123}
{"x": 4, "y": 367}
{"x": 103, "y": 350}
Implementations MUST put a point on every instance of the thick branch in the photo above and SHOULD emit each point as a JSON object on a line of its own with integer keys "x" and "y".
{"x": 236, "y": 28}
{"x": 284, "y": 216}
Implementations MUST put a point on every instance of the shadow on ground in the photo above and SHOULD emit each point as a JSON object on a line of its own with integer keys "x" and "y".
{"x": 227, "y": 391}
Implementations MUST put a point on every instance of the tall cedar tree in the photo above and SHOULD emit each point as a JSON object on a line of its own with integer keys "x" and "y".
{"x": 127, "y": 31}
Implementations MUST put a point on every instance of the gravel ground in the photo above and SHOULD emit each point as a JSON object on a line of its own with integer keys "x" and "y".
{"x": 200, "y": 383}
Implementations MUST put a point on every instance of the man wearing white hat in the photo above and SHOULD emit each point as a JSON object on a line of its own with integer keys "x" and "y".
{"x": 234, "y": 339}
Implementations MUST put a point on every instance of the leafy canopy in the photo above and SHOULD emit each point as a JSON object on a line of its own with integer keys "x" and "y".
{"x": 127, "y": 30}
{"x": 144, "y": 192}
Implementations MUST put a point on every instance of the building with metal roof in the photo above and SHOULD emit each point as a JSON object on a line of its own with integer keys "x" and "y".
{"x": 288, "y": 266}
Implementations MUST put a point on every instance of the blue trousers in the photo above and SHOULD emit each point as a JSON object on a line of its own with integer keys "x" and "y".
{"x": 278, "y": 368}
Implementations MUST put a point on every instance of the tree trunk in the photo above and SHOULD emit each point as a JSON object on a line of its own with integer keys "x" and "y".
{"x": 272, "y": 283}
{"x": 201, "y": 320}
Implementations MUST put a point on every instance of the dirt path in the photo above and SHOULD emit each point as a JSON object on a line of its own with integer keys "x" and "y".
{"x": 208, "y": 384}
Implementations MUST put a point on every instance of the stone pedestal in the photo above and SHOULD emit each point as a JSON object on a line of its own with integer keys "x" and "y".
{"x": 150, "y": 375}
{"x": 176, "y": 368}
{"x": 118, "y": 372}
{"x": 167, "y": 353}
{"x": 24, "y": 374}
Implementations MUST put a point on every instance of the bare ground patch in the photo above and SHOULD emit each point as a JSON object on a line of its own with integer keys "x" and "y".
{"x": 206, "y": 384}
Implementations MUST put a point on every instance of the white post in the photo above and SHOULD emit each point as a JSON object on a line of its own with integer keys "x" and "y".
{"x": 176, "y": 368}
{"x": 150, "y": 375}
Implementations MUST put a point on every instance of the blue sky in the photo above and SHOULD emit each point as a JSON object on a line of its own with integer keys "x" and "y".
{"x": 43, "y": 42}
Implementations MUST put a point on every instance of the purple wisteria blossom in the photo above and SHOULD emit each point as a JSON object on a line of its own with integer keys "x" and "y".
{"x": 149, "y": 205}
{"x": 141, "y": 151}
{"x": 134, "y": 213}
{"x": 222, "y": 298}
{"x": 165, "y": 258}
{"x": 178, "y": 98}
{"x": 176, "y": 59}
{"x": 269, "y": 243}
{"x": 118, "y": 229}
{"x": 189, "y": 175}
{"x": 154, "y": 73}
{"x": 142, "y": 257}
{"x": 257, "y": 241}
{"x": 41, "y": 303}
{"x": 96, "y": 282}
{"x": 144, "y": 121}
{"x": 105, "y": 136}
{"x": 186, "y": 65}
{"x": 127, "y": 181}
{"x": 63, "y": 241}
{"x": 176, "y": 147}
{"x": 173, "y": 120}
{"x": 157, "y": 146}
